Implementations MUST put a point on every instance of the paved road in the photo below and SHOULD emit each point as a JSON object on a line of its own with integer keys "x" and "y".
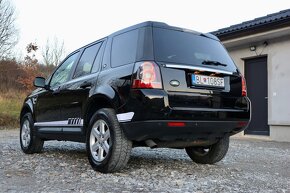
{"x": 250, "y": 166}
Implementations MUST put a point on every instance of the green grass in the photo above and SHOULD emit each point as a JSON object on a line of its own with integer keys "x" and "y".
{"x": 10, "y": 106}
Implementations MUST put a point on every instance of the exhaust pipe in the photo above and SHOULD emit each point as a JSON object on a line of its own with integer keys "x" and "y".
{"x": 150, "y": 143}
{"x": 179, "y": 144}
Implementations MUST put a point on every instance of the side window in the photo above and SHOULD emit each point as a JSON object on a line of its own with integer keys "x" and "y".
{"x": 124, "y": 48}
{"x": 97, "y": 62}
{"x": 61, "y": 75}
{"x": 86, "y": 61}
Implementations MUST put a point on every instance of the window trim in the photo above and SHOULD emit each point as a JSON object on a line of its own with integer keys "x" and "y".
{"x": 102, "y": 52}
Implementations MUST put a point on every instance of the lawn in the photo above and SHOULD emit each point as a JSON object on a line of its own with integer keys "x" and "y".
{"x": 10, "y": 106}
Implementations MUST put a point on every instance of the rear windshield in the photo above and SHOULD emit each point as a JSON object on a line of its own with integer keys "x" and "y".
{"x": 186, "y": 48}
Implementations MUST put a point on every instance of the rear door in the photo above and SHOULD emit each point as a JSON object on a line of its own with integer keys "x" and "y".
{"x": 76, "y": 92}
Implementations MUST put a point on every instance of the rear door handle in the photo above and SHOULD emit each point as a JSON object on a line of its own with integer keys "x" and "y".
{"x": 85, "y": 85}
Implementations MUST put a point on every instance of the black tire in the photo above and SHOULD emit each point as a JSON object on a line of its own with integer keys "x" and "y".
{"x": 32, "y": 144}
{"x": 211, "y": 154}
{"x": 117, "y": 145}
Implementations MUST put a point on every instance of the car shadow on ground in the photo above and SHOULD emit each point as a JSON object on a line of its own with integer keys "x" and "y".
{"x": 139, "y": 158}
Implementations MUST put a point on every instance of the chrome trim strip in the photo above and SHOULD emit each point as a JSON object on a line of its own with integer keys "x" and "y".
{"x": 206, "y": 109}
{"x": 71, "y": 129}
{"x": 60, "y": 123}
{"x": 50, "y": 129}
{"x": 197, "y": 68}
{"x": 125, "y": 117}
{"x": 60, "y": 129}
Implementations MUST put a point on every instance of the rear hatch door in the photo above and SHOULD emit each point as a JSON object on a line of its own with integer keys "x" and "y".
{"x": 197, "y": 71}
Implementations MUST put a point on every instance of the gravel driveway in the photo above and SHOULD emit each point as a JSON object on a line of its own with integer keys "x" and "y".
{"x": 250, "y": 166}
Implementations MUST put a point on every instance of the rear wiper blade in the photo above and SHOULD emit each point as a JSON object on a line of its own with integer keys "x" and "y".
{"x": 210, "y": 62}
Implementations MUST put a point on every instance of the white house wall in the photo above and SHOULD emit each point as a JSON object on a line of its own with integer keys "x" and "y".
{"x": 278, "y": 54}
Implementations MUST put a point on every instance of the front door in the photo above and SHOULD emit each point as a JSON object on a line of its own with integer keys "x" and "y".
{"x": 257, "y": 87}
{"x": 48, "y": 105}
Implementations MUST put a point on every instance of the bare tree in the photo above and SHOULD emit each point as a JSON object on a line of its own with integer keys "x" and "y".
{"x": 53, "y": 52}
{"x": 8, "y": 30}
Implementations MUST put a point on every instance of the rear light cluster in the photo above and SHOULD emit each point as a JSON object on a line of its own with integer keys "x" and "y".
{"x": 147, "y": 75}
{"x": 244, "y": 86}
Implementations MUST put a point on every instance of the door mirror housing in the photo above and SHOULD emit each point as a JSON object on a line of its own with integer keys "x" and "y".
{"x": 39, "y": 82}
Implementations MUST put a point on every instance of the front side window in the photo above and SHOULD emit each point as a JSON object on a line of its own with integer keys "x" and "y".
{"x": 87, "y": 59}
{"x": 61, "y": 75}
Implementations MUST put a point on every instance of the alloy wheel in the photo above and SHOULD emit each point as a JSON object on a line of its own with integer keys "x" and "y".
{"x": 25, "y": 134}
{"x": 100, "y": 140}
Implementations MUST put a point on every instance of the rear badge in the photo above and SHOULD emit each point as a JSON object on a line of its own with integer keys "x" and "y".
{"x": 174, "y": 83}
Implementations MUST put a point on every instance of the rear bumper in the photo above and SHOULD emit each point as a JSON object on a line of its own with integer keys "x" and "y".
{"x": 193, "y": 130}
{"x": 152, "y": 112}
{"x": 154, "y": 104}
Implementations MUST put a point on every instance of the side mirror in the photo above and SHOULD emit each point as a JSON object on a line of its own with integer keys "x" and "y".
{"x": 39, "y": 82}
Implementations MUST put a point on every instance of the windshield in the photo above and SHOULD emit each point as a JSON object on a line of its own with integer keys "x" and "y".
{"x": 179, "y": 47}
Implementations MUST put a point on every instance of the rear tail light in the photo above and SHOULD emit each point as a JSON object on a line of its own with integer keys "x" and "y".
{"x": 244, "y": 86}
{"x": 147, "y": 76}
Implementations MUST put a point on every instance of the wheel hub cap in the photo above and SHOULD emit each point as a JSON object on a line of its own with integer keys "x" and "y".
{"x": 25, "y": 134}
{"x": 100, "y": 140}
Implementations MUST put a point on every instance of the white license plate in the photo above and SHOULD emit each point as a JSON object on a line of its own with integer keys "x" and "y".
{"x": 201, "y": 80}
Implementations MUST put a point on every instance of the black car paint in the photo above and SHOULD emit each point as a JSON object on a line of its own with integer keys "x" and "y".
{"x": 207, "y": 113}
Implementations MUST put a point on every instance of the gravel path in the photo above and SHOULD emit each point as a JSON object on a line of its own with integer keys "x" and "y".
{"x": 250, "y": 166}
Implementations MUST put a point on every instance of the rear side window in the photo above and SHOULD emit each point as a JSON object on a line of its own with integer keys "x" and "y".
{"x": 124, "y": 48}
{"x": 86, "y": 61}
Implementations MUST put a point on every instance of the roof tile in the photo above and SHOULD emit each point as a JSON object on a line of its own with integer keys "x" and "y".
{"x": 271, "y": 18}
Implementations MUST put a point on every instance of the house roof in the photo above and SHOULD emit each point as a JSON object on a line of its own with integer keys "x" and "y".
{"x": 256, "y": 25}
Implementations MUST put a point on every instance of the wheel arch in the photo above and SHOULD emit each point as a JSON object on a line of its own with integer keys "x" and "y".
{"x": 27, "y": 108}
{"x": 95, "y": 103}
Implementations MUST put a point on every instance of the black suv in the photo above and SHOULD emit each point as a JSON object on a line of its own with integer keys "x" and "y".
{"x": 147, "y": 85}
